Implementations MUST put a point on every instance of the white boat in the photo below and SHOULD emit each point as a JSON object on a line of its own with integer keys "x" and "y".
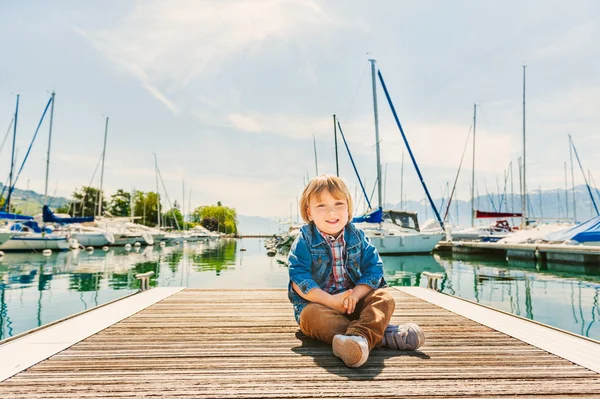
{"x": 91, "y": 238}
{"x": 5, "y": 235}
{"x": 399, "y": 233}
{"x": 29, "y": 241}
{"x": 495, "y": 232}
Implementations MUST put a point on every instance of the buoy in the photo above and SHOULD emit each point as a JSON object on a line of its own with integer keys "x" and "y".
{"x": 162, "y": 244}
{"x": 105, "y": 248}
{"x": 47, "y": 252}
{"x": 127, "y": 247}
{"x": 272, "y": 252}
{"x": 137, "y": 244}
{"x": 1, "y": 254}
{"x": 89, "y": 249}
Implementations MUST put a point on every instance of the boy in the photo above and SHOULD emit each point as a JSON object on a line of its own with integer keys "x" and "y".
{"x": 336, "y": 279}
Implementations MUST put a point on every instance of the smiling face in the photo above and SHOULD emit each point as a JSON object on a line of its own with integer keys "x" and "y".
{"x": 329, "y": 214}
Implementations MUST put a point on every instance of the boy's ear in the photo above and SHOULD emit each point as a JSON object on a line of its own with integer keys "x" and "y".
{"x": 308, "y": 214}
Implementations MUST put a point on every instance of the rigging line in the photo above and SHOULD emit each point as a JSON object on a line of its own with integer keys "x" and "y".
{"x": 353, "y": 164}
{"x": 584, "y": 177}
{"x": 357, "y": 90}
{"x": 458, "y": 173}
{"x": 412, "y": 157}
{"x": 89, "y": 185}
{"x": 593, "y": 181}
{"x": 169, "y": 200}
{"x": 29, "y": 150}
{"x": 7, "y": 133}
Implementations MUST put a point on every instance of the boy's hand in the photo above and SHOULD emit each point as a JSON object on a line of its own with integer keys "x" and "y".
{"x": 350, "y": 302}
{"x": 339, "y": 300}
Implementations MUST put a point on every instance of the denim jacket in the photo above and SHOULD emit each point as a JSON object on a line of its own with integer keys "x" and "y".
{"x": 311, "y": 261}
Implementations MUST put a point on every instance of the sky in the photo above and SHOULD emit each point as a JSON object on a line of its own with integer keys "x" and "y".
{"x": 229, "y": 94}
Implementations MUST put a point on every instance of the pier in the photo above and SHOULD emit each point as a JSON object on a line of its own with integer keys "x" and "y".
{"x": 567, "y": 254}
{"x": 196, "y": 343}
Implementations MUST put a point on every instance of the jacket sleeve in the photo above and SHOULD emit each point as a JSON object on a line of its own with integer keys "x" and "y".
{"x": 371, "y": 265}
{"x": 300, "y": 265}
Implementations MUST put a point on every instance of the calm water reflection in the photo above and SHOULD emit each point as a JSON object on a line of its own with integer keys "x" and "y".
{"x": 35, "y": 290}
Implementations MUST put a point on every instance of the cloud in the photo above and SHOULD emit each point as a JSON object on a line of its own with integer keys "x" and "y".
{"x": 166, "y": 45}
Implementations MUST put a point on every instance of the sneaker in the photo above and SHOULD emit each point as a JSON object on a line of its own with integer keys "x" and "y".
{"x": 405, "y": 337}
{"x": 352, "y": 349}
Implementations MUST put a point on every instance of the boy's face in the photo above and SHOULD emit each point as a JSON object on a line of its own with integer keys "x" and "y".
{"x": 329, "y": 214}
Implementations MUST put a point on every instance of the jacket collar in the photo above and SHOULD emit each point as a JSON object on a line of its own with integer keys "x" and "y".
{"x": 315, "y": 239}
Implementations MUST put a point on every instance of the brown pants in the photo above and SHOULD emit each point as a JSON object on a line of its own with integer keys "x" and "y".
{"x": 370, "y": 318}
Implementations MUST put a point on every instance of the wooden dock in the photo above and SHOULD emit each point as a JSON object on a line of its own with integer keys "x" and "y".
{"x": 555, "y": 253}
{"x": 245, "y": 344}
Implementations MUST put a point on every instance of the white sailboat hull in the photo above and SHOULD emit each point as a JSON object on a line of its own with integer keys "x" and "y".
{"x": 36, "y": 242}
{"x": 4, "y": 237}
{"x": 94, "y": 239}
{"x": 404, "y": 243}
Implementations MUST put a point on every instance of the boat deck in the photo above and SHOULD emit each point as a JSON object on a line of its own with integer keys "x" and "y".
{"x": 245, "y": 344}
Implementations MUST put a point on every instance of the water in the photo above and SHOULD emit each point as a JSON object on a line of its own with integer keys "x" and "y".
{"x": 35, "y": 290}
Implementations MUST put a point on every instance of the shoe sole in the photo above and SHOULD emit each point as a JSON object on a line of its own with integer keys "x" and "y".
{"x": 342, "y": 349}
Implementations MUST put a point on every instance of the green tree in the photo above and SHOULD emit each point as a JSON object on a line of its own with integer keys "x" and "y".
{"x": 145, "y": 207}
{"x": 226, "y": 217}
{"x": 170, "y": 220}
{"x": 85, "y": 202}
{"x": 120, "y": 203}
{"x": 12, "y": 207}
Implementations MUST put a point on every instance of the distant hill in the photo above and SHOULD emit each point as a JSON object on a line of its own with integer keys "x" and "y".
{"x": 549, "y": 204}
{"x": 28, "y": 202}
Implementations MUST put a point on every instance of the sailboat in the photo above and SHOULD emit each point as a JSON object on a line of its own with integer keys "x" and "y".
{"x": 26, "y": 233}
{"x": 393, "y": 232}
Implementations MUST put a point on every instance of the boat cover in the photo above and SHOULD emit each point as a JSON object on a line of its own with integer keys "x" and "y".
{"x": 588, "y": 231}
{"x": 374, "y": 216}
{"x": 496, "y": 215}
{"x": 14, "y": 216}
{"x": 49, "y": 217}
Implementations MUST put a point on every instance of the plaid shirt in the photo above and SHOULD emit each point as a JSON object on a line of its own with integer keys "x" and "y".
{"x": 338, "y": 280}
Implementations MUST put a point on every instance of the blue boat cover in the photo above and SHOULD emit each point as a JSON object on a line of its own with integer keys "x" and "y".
{"x": 374, "y": 216}
{"x": 49, "y": 217}
{"x": 14, "y": 216}
{"x": 588, "y": 231}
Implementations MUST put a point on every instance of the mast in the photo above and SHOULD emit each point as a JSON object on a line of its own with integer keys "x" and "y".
{"x": 566, "y": 193}
{"x": 524, "y": 197}
{"x": 402, "y": 182}
{"x": 473, "y": 170}
{"x": 315, "y": 148}
{"x": 48, "y": 155}
{"x": 12, "y": 156}
{"x": 157, "y": 195}
{"x": 102, "y": 170}
{"x": 379, "y": 196}
{"x": 183, "y": 202}
{"x": 337, "y": 165}
{"x": 512, "y": 189}
{"x": 573, "y": 180}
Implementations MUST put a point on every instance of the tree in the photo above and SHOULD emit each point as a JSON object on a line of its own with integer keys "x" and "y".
{"x": 209, "y": 223}
{"x": 146, "y": 208}
{"x": 170, "y": 220}
{"x": 85, "y": 202}
{"x": 225, "y": 217}
{"x": 120, "y": 203}
{"x": 12, "y": 207}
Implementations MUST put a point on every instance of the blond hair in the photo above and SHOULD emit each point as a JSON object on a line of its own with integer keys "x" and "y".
{"x": 333, "y": 185}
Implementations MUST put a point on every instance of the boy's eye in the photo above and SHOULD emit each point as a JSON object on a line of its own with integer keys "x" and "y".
{"x": 339, "y": 204}
{"x": 321, "y": 206}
